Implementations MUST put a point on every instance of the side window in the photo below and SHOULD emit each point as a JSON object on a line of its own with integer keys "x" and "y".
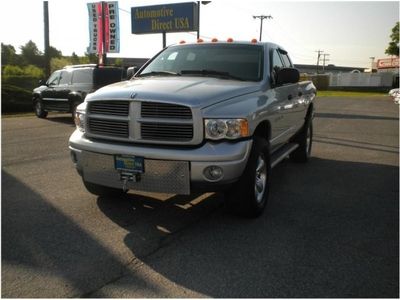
{"x": 54, "y": 78}
{"x": 82, "y": 76}
{"x": 276, "y": 61}
{"x": 65, "y": 77}
{"x": 286, "y": 60}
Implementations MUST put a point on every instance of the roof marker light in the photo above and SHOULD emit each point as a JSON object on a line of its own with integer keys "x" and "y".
{"x": 230, "y": 40}
{"x": 214, "y": 40}
{"x": 182, "y": 42}
{"x": 200, "y": 40}
{"x": 254, "y": 41}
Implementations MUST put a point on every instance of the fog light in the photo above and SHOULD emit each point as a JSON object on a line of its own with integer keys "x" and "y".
{"x": 213, "y": 173}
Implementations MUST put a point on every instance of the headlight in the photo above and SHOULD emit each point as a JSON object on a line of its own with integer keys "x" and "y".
{"x": 216, "y": 129}
{"x": 80, "y": 116}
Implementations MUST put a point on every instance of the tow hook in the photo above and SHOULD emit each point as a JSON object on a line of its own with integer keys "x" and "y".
{"x": 127, "y": 177}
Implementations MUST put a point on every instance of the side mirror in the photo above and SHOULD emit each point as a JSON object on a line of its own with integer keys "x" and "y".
{"x": 42, "y": 82}
{"x": 287, "y": 75}
{"x": 131, "y": 71}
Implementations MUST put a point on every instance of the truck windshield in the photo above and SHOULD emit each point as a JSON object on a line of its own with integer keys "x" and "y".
{"x": 227, "y": 61}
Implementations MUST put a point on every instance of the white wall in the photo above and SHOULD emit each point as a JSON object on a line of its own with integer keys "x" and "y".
{"x": 361, "y": 79}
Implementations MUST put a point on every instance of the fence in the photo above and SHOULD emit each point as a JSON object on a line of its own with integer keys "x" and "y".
{"x": 383, "y": 80}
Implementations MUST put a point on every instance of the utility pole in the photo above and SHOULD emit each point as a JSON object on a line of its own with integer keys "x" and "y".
{"x": 319, "y": 56}
{"x": 324, "y": 60}
{"x": 46, "y": 38}
{"x": 262, "y": 18}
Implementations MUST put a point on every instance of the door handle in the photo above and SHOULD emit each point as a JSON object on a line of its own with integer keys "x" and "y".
{"x": 290, "y": 97}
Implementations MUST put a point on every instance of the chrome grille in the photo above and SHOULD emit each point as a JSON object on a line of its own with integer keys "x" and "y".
{"x": 113, "y": 108}
{"x": 109, "y": 127}
{"x": 165, "y": 111}
{"x": 167, "y": 132}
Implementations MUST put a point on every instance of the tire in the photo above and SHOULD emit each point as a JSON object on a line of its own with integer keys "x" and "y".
{"x": 304, "y": 139}
{"x": 100, "y": 190}
{"x": 249, "y": 195}
{"x": 39, "y": 109}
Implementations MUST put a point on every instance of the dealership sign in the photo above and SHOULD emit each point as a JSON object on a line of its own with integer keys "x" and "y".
{"x": 165, "y": 18}
{"x": 103, "y": 27}
{"x": 388, "y": 63}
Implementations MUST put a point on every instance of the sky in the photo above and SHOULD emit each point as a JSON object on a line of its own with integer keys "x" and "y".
{"x": 350, "y": 32}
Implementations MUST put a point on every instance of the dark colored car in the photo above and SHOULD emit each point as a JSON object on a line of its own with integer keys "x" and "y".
{"x": 67, "y": 88}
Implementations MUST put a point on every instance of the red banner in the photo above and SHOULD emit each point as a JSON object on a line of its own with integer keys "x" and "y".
{"x": 111, "y": 27}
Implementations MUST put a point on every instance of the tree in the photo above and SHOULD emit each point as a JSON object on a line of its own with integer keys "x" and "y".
{"x": 91, "y": 58}
{"x": 8, "y": 55}
{"x": 31, "y": 55}
{"x": 54, "y": 53}
{"x": 393, "y": 48}
{"x": 59, "y": 63}
{"x": 75, "y": 59}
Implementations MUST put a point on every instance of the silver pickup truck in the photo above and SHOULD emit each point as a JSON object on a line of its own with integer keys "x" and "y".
{"x": 197, "y": 117}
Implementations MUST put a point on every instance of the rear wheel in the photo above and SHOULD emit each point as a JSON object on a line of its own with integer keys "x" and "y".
{"x": 249, "y": 196}
{"x": 100, "y": 190}
{"x": 39, "y": 109}
{"x": 304, "y": 139}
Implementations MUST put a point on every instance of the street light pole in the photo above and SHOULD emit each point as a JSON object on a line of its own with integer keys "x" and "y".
{"x": 262, "y": 18}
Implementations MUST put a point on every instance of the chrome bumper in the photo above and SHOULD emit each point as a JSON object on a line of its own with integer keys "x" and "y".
{"x": 167, "y": 170}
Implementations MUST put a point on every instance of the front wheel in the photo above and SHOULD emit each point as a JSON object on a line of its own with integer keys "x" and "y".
{"x": 39, "y": 109}
{"x": 249, "y": 196}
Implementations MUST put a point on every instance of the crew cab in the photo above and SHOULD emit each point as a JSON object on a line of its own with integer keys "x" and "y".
{"x": 67, "y": 88}
{"x": 210, "y": 116}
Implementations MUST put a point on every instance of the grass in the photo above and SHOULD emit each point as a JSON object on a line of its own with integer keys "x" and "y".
{"x": 349, "y": 94}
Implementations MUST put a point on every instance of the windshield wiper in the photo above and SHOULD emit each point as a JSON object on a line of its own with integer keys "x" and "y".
{"x": 159, "y": 73}
{"x": 211, "y": 73}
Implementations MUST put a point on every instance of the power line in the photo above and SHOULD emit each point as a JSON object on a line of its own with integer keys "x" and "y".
{"x": 318, "y": 58}
{"x": 262, "y": 18}
{"x": 324, "y": 60}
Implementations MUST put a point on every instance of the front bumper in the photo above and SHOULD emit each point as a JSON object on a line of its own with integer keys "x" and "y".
{"x": 167, "y": 169}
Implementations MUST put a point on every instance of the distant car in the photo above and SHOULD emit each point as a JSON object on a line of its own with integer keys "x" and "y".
{"x": 395, "y": 94}
{"x": 67, "y": 88}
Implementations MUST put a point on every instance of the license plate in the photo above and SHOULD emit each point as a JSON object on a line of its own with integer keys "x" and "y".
{"x": 132, "y": 164}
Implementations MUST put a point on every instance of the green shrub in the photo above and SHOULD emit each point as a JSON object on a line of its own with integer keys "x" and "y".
{"x": 15, "y": 99}
{"x": 10, "y": 70}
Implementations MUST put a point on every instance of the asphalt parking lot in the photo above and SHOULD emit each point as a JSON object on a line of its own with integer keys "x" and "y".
{"x": 331, "y": 228}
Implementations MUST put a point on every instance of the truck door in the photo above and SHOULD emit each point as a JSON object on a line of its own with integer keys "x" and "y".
{"x": 296, "y": 104}
{"x": 281, "y": 127}
{"x": 50, "y": 92}
{"x": 62, "y": 91}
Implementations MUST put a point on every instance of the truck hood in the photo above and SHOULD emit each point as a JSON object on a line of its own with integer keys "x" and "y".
{"x": 190, "y": 91}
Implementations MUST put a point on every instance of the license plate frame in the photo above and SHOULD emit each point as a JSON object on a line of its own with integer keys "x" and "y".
{"x": 129, "y": 163}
